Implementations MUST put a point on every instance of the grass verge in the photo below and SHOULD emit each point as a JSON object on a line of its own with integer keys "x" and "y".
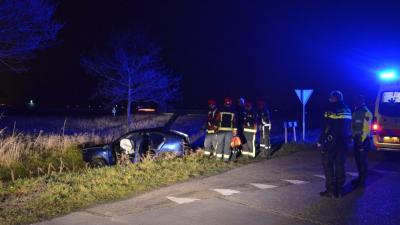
{"x": 29, "y": 200}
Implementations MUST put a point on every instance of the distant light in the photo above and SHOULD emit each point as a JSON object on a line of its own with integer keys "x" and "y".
{"x": 388, "y": 75}
{"x": 146, "y": 110}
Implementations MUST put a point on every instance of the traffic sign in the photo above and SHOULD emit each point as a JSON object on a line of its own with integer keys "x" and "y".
{"x": 304, "y": 96}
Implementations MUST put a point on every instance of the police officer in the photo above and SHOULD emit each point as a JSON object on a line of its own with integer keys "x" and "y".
{"x": 210, "y": 142}
{"x": 250, "y": 130}
{"x": 333, "y": 143}
{"x": 264, "y": 125}
{"x": 227, "y": 128}
{"x": 361, "y": 130}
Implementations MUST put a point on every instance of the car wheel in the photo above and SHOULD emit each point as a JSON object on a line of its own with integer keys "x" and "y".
{"x": 187, "y": 150}
{"x": 98, "y": 162}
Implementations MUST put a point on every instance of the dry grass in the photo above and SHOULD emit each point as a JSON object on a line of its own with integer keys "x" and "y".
{"x": 16, "y": 145}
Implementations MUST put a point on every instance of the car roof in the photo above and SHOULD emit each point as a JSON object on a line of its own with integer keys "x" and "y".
{"x": 158, "y": 129}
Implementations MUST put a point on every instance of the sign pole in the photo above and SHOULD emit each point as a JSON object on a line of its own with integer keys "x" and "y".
{"x": 304, "y": 96}
{"x": 304, "y": 122}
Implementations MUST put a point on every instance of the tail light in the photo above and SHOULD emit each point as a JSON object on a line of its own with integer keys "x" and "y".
{"x": 375, "y": 126}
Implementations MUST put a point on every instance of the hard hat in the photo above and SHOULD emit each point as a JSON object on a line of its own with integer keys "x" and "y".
{"x": 260, "y": 103}
{"x": 236, "y": 142}
{"x": 248, "y": 104}
{"x": 212, "y": 102}
{"x": 227, "y": 101}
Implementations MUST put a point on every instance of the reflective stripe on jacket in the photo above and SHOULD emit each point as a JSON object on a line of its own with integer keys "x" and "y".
{"x": 337, "y": 124}
{"x": 226, "y": 119}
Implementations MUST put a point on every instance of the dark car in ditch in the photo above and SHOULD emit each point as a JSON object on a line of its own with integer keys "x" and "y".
{"x": 136, "y": 144}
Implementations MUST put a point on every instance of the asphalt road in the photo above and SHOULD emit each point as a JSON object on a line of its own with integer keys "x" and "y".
{"x": 280, "y": 191}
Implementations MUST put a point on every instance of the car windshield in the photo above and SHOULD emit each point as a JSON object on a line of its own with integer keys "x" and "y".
{"x": 155, "y": 140}
{"x": 390, "y": 104}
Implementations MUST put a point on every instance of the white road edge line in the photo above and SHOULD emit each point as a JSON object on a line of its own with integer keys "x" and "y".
{"x": 353, "y": 174}
{"x": 296, "y": 181}
{"x": 263, "y": 186}
{"x": 182, "y": 200}
{"x": 320, "y": 176}
{"x": 226, "y": 192}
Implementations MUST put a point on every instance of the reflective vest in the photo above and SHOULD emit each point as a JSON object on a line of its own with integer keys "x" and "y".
{"x": 211, "y": 121}
{"x": 226, "y": 119}
{"x": 337, "y": 124}
{"x": 361, "y": 123}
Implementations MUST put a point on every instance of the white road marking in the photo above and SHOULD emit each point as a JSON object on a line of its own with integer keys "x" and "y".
{"x": 182, "y": 200}
{"x": 296, "y": 181}
{"x": 353, "y": 174}
{"x": 320, "y": 176}
{"x": 263, "y": 186}
{"x": 226, "y": 192}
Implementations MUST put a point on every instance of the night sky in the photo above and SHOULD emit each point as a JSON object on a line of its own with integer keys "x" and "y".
{"x": 255, "y": 49}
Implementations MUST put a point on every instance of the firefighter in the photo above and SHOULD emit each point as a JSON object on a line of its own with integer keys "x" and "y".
{"x": 227, "y": 128}
{"x": 250, "y": 130}
{"x": 240, "y": 112}
{"x": 210, "y": 142}
{"x": 361, "y": 130}
{"x": 264, "y": 125}
{"x": 333, "y": 142}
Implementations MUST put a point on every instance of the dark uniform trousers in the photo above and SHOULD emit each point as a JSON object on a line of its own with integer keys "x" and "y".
{"x": 361, "y": 156}
{"x": 333, "y": 161}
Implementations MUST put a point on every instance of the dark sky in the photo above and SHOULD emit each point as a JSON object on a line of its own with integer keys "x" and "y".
{"x": 255, "y": 49}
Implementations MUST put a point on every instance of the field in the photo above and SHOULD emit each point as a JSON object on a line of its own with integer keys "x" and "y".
{"x": 42, "y": 173}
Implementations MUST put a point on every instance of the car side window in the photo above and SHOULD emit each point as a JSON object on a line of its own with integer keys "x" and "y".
{"x": 156, "y": 139}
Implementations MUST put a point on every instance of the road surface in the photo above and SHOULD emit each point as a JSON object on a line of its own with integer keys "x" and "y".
{"x": 280, "y": 191}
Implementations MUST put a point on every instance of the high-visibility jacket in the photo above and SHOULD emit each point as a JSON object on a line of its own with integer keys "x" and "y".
{"x": 337, "y": 124}
{"x": 226, "y": 119}
{"x": 212, "y": 125}
{"x": 250, "y": 121}
{"x": 361, "y": 123}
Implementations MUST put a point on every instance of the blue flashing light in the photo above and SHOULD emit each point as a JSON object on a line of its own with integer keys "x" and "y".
{"x": 388, "y": 75}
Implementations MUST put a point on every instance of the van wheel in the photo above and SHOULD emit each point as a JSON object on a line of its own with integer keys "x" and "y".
{"x": 98, "y": 162}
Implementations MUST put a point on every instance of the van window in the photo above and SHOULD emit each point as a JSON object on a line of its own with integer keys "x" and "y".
{"x": 390, "y": 104}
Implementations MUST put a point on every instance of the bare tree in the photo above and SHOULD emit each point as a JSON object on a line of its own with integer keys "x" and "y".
{"x": 25, "y": 26}
{"x": 131, "y": 71}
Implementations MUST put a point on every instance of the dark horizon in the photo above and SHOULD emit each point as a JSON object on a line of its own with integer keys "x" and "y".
{"x": 255, "y": 50}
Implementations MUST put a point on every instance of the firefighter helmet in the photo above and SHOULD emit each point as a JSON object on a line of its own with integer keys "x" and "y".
{"x": 261, "y": 103}
{"x": 248, "y": 104}
{"x": 227, "y": 101}
{"x": 212, "y": 102}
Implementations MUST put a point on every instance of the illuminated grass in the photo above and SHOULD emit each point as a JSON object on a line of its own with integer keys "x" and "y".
{"x": 29, "y": 200}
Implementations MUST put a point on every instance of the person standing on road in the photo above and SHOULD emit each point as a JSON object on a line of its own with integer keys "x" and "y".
{"x": 264, "y": 125}
{"x": 227, "y": 128}
{"x": 114, "y": 111}
{"x": 361, "y": 131}
{"x": 250, "y": 130}
{"x": 334, "y": 142}
{"x": 210, "y": 142}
